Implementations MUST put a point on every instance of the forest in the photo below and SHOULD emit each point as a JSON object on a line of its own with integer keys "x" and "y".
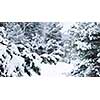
{"x": 47, "y": 49}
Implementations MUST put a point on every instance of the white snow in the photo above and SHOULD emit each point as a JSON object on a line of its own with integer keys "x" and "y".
{"x": 3, "y": 32}
{"x": 98, "y": 55}
{"x": 98, "y": 60}
{"x": 61, "y": 69}
{"x": 66, "y": 26}
{"x": 55, "y": 71}
{"x": 47, "y": 71}
{"x": 15, "y": 62}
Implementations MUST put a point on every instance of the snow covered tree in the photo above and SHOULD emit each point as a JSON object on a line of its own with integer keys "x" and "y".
{"x": 53, "y": 38}
{"x": 28, "y": 33}
{"x": 38, "y": 34}
{"x": 70, "y": 50}
{"x": 17, "y": 57}
{"x": 16, "y": 60}
{"x": 88, "y": 49}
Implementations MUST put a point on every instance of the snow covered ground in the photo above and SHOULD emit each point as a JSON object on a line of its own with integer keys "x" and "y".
{"x": 54, "y": 71}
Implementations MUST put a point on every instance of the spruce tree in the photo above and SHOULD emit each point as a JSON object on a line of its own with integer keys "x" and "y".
{"x": 88, "y": 48}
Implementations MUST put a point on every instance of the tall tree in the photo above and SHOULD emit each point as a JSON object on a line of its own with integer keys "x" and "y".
{"x": 88, "y": 48}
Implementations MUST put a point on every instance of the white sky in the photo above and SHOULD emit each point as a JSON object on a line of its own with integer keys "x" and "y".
{"x": 66, "y": 26}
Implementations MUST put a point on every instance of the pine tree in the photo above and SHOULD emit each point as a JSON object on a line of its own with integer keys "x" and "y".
{"x": 16, "y": 60}
{"x": 26, "y": 47}
{"x": 53, "y": 38}
{"x": 88, "y": 48}
{"x": 70, "y": 50}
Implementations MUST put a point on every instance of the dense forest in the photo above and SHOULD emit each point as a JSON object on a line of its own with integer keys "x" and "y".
{"x": 27, "y": 48}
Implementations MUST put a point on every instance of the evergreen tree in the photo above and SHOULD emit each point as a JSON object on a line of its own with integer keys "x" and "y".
{"x": 53, "y": 38}
{"x": 16, "y": 60}
{"x": 88, "y": 48}
{"x": 70, "y": 50}
{"x": 22, "y": 53}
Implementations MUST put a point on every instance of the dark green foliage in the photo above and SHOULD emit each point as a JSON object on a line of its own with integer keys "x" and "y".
{"x": 40, "y": 50}
{"x": 49, "y": 60}
{"x": 93, "y": 73}
{"x": 35, "y": 69}
{"x": 20, "y": 49}
{"x": 83, "y": 67}
{"x": 1, "y": 60}
{"x": 27, "y": 71}
{"x": 9, "y": 53}
{"x": 50, "y": 50}
{"x": 4, "y": 56}
{"x": 1, "y": 68}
